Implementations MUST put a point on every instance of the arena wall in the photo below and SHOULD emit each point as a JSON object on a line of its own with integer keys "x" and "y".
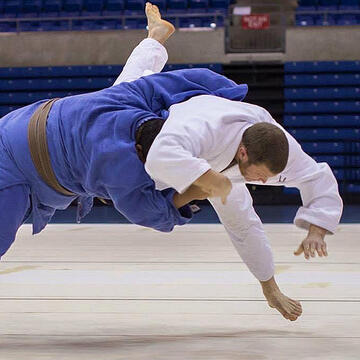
{"x": 113, "y": 47}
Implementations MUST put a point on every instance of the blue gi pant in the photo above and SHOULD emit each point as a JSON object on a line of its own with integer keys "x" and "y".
{"x": 15, "y": 207}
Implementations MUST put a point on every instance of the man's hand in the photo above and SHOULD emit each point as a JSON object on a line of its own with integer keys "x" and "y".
{"x": 314, "y": 242}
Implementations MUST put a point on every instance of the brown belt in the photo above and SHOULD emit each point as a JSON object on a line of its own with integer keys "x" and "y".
{"x": 39, "y": 148}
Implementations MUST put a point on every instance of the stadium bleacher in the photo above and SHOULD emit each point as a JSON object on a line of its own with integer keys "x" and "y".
{"x": 328, "y": 12}
{"x": 322, "y": 111}
{"x": 322, "y": 103}
{"x": 61, "y": 15}
{"x": 23, "y": 86}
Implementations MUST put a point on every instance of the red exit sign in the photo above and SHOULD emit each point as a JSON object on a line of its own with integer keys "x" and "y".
{"x": 255, "y": 21}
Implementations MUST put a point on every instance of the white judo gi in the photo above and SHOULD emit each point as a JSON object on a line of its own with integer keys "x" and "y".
{"x": 204, "y": 133}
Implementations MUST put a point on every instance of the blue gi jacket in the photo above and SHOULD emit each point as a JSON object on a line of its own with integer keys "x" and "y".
{"x": 91, "y": 141}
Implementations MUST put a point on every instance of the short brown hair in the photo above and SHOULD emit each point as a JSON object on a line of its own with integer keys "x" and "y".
{"x": 266, "y": 144}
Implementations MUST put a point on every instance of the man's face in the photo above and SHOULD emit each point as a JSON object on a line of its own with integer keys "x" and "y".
{"x": 254, "y": 172}
{"x": 251, "y": 172}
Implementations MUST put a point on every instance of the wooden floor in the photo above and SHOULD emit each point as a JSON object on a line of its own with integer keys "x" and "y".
{"x": 123, "y": 292}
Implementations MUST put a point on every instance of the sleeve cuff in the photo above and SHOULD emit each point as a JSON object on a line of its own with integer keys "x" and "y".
{"x": 303, "y": 221}
{"x": 182, "y": 215}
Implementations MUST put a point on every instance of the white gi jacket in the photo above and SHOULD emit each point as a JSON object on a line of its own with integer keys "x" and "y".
{"x": 204, "y": 133}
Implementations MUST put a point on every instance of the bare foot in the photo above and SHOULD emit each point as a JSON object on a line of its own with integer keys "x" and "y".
{"x": 159, "y": 29}
{"x": 290, "y": 309}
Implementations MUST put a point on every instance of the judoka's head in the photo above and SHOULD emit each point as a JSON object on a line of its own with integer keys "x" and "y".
{"x": 145, "y": 136}
{"x": 263, "y": 152}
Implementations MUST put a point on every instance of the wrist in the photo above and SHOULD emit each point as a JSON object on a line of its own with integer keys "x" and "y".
{"x": 181, "y": 200}
{"x": 317, "y": 230}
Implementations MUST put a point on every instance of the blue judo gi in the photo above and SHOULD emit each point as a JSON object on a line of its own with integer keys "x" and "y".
{"x": 91, "y": 141}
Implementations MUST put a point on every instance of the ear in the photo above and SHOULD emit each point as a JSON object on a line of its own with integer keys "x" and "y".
{"x": 139, "y": 152}
{"x": 242, "y": 153}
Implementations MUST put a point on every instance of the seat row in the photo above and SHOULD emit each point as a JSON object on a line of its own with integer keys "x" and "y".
{"x": 323, "y": 93}
{"x": 327, "y": 20}
{"x": 21, "y": 8}
{"x": 326, "y": 134}
{"x": 339, "y": 160}
{"x": 107, "y": 24}
{"x": 317, "y": 121}
{"x": 51, "y": 72}
{"x": 338, "y": 79}
{"x": 321, "y": 107}
{"x": 328, "y": 5}
{"x": 321, "y": 67}
{"x": 331, "y": 147}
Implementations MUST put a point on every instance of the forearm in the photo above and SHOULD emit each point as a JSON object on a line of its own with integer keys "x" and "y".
{"x": 215, "y": 184}
{"x": 210, "y": 180}
{"x": 181, "y": 200}
{"x": 246, "y": 232}
{"x": 193, "y": 192}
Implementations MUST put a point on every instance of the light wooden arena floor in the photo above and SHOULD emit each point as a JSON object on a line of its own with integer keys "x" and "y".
{"x": 123, "y": 292}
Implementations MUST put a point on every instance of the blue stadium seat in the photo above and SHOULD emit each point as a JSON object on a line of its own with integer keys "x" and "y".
{"x": 60, "y": 71}
{"x": 219, "y": 4}
{"x": 32, "y": 7}
{"x": 54, "y": 25}
{"x": 12, "y": 7}
{"x": 322, "y": 120}
{"x": 325, "y": 134}
{"x": 347, "y": 19}
{"x": 177, "y": 5}
{"x": 30, "y": 26}
{"x": 322, "y": 93}
{"x": 349, "y": 5}
{"x": 339, "y": 174}
{"x": 324, "y": 107}
{"x": 328, "y": 5}
{"x": 323, "y": 147}
{"x": 199, "y": 5}
{"x": 114, "y": 6}
{"x": 305, "y": 20}
{"x": 142, "y": 23}
{"x": 339, "y": 160}
{"x": 83, "y": 24}
{"x": 321, "y": 66}
{"x": 307, "y": 5}
{"x": 107, "y": 24}
{"x": 135, "y": 6}
{"x": 93, "y": 6}
{"x": 353, "y": 188}
{"x": 184, "y": 23}
{"x": 210, "y": 21}
{"x": 195, "y": 22}
{"x": 72, "y": 5}
{"x": 71, "y": 8}
{"x": 7, "y": 26}
{"x": 325, "y": 20}
{"x": 332, "y": 160}
{"x": 131, "y": 23}
{"x": 322, "y": 79}
{"x": 52, "y": 6}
